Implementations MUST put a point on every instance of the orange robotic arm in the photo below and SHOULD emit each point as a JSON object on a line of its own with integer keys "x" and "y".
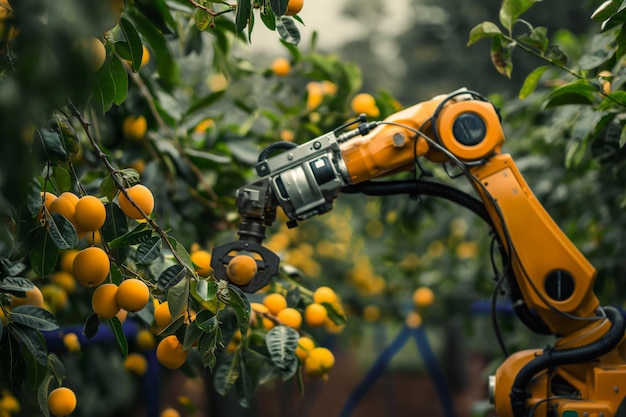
{"x": 550, "y": 281}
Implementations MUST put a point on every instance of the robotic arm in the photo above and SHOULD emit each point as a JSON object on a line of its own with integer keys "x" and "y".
{"x": 549, "y": 280}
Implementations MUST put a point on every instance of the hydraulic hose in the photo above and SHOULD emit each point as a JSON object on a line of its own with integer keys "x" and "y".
{"x": 552, "y": 358}
{"x": 281, "y": 145}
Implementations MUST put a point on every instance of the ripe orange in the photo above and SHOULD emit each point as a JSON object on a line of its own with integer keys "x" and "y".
{"x": 132, "y": 295}
{"x": 202, "y": 262}
{"x": 281, "y": 66}
{"x": 34, "y": 297}
{"x": 241, "y": 269}
{"x": 423, "y": 297}
{"x": 290, "y": 317}
{"x": 319, "y": 362}
{"x": 65, "y": 204}
{"x": 315, "y": 95}
{"x": 91, "y": 266}
{"x": 67, "y": 260}
{"x": 275, "y": 303}
{"x": 47, "y": 197}
{"x": 365, "y": 103}
{"x": 169, "y": 412}
{"x": 113, "y": 15}
{"x": 294, "y": 7}
{"x": 305, "y": 347}
{"x": 315, "y": 315}
{"x": 136, "y": 363}
{"x": 104, "y": 302}
{"x": 90, "y": 214}
{"x": 64, "y": 280}
{"x": 325, "y": 295}
{"x": 71, "y": 342}
{"x": 162, "y": 315}
{"x": 142, "y": 196}
{"x": 145, "y": 339}
{"x": 92, "y": 51}
{"x": 134, "y": 127}
{"x": 61, "y": 401}
{"x": 413, "y": 319}
{"x": 170, "y": 352}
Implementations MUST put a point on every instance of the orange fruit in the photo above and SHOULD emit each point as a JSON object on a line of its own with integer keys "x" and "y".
{"x": 275, "y": 303}
{"x": 64, "y": 280}
{"x": 281, "y": 66}
{"x": 113, "y": 15}
{"x": 413, "y": 319}
{"x": 92, "y": 51}
{"x": 162, "y": 315}
{"x": 290, "y": 317}
{"x": 61, "y": 401}
{"x": 65, "y": 204}
{"x": 89, "y": 214}
{"x": 365, "y": 103}
{"x": 145, "y": 339}
{"x": 305, "y": 347}
{"x": 142, "y": 196}
{"x": 294, "y": 7}
{"x": 134, "y": 127}
{"x": 71, "y": 342}
{"x": 314, "y": 96}
{"x": 325, "y": 295}
{"x": 170, "y": 352}
{"x": 8, "y": 31}
{"x": 241, "y": 269}
{"x": 132, "y": 295}
{"x": 202, "y": 262}
{"x": 34, "y": 297}
{"x": 136, "y": 363}
{"x": 91, "y": 266}
{"x": 169, "y": 412}
{"x": 423, "y": 297}
{"x": 319, "y": 362}
{"x": 67, "y": 260}
{"x": 104, "y": 302}
{"x": 315, "y": 315}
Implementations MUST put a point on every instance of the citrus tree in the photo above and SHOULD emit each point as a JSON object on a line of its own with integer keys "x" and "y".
{"x": 127, "y": 126}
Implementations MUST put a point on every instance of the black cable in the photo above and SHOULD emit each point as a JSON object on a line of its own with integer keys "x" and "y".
{"x": 281, "y": 145}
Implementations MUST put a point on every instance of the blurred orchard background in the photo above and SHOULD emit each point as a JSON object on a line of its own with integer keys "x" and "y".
{"x": 186, "y": 95}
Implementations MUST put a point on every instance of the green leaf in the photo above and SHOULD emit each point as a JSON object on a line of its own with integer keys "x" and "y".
{"x": 91, "y": 326}
{"x": 43, "y": 257}
{"x": 205, "y": 289}
{"x": 16, "y": 286}
{"x": 207, "y": 346}
{"x": 244, "y": 9}
{"x": 51, "y": 145}
{"x": 42, "y": 395}
{"x": 34, "y": 317}
{"x": 511, "y": 10}
{"x": 139, "y": 234}
{"x": 556, "y": 55}
{"x": 63, "y": 178}
{"x": 118, "y": 331}
{"x": 61, "y": 231}
{"x": 501, "y": 55}
{"x": 178, "y": 297}
{"x": 606, "y": 10}
{"x": 238, "y": 301}
{"x": 577, "y": 92}
{"x": 281, "y": 342}
{"x": 182, "y": 253}
{"x": 226, "y": 374}
{"x": 482, "y": 31}
{"x": 334, "y": 315}
{"x": 279, "y": 7}
{"x": 135, "y": 47}
{"x": 614, "y": 101}
{"x": 538, "y": 38}
{"x": 120, "y": 78}
{"x": 201, "y": 18}
{"x": 104, "y": 88}
{"x": 288, "y": 30}
{"x": 171, "y": 276}
{"x": 244, "y": 385}
{"x": 33, "y": 341}
{"x": 108, "y": 188}
{"x": 123, "y": 50}
{"x": 531, "y": 81}
{"x": 56, "y": 367}
{"x": 268, "y": 18}
{"x": 192, "y": 335}
{"x": 148, "y": 251}
{"x": 115, "y": 225}
{"x": 207, "y": 321}
{"x": 618, "y": 19}
{"x": 204, "y": 102}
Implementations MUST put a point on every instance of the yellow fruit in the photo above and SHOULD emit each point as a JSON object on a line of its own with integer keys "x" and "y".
{"x": 241, "y": 269}
{"x": 92, "y": 51}
{"x": 202, "y": 262}
{"x": 34, "y": 297}
{"x": 91, "y": 266}
{"x": 287, "y": 135}
{"x": 134, "y": 127}
{"x": 142, "y": 196}
{"x": 89, "y": 214}
{"x": 104, "y": 302}
{"x": 132, "y": 295}
{"x": 9, "y": 403}
{"x": 122, "y": 315}
{"x": 294, "y": 7}
{"x": 71, "y": 342}
{"x": 203, "y": 126}
{"x": 61, "y": 401}
{"x": 145, "y": 339}
{"x": 315, "y": 95}
{"x": 145, "y": 57}
{"x": 305, "y": 347}
{"x": 162, "y": 315}
{"x": 281, "y": 66}
{"x": 113, "y": 15}
{"x": 315, "y": 315}
{"x": 325, "y": 295}
{"x": 423, "y": 297}
{"x": 67, "y": 260}
{"x": 46, "y": 197}
{"x": 54, "y": 296}
{"x": 275, "y": 303}
{"x": 371, "y": 313}
{"x": 65, "y": 204}
{"x": 319, "y": 362}
{"x": 169, "y": 412}
{"x": 413, "y": 319}
{"x": 8, "y": 31}
{"x": 170, "y": 352}
{"x": 64, "y": 280}
{"x": 365, "y": 103}
{"x": 136, "y": 363}
{"x": 290, "y": 317}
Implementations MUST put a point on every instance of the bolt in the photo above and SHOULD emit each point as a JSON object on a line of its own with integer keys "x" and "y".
{"x": 616, "y": 389}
